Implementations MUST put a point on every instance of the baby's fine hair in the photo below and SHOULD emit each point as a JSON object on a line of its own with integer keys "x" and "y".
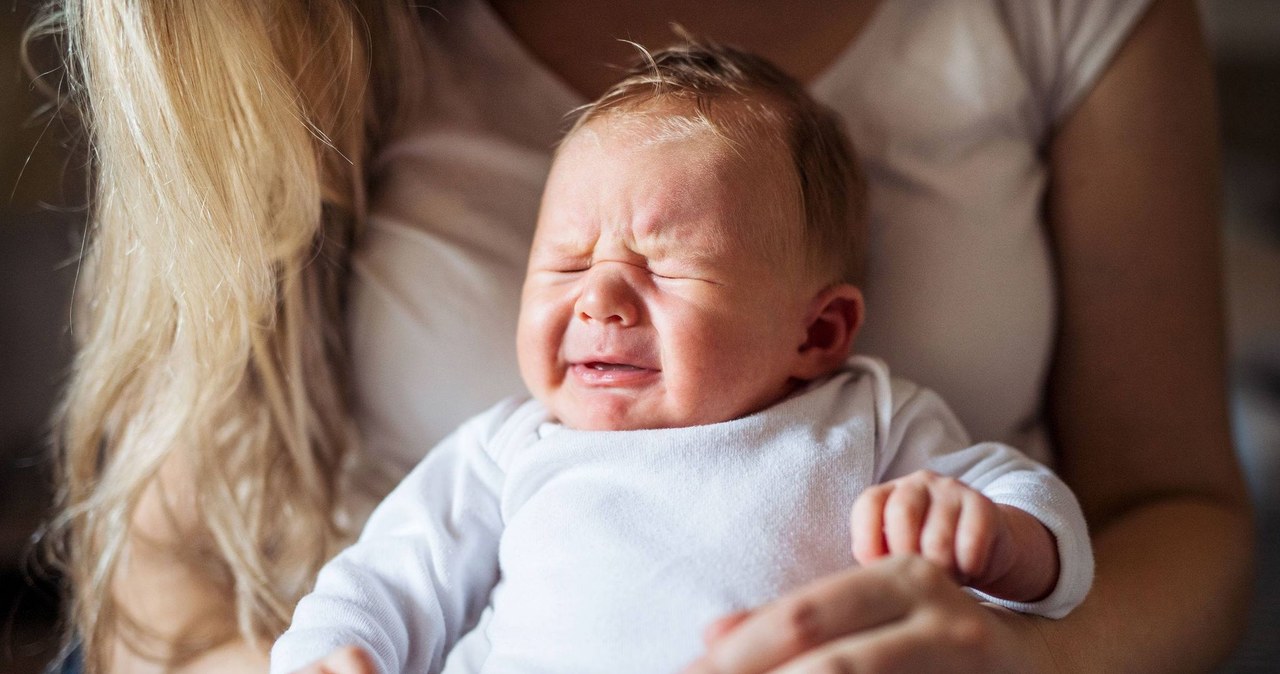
{"x": 736, "y": 93}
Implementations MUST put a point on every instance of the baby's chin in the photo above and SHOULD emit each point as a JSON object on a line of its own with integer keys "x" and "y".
{"x": 614, "y": 414}
{"x": 619, "y": 416}
{"x": 581, "y": 421}
{"x": 621, "y": 410}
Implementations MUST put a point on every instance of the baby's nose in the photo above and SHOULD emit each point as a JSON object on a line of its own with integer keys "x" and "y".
{"x": 608, "y": 296}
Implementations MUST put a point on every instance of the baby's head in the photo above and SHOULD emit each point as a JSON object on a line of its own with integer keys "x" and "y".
{"x": 697, "y": 250}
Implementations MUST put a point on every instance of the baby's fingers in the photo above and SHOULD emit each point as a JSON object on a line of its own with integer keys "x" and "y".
{"x": 347, "y": 660}
{"x": 938, "y": 537}
{"x": 904, "y": 516}
{"x": 976, "y": 535}
{"x": 866, "y": 524}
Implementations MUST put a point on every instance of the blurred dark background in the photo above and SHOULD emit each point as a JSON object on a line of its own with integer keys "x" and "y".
{"x": 41, "y": 214}
{"x": 41, "y": 186}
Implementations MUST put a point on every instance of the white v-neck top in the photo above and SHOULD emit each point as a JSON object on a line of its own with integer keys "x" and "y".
{"x": 950, "y": 104}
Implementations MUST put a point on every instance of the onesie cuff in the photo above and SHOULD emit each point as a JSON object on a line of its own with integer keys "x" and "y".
{"x": 1056, "y": 508}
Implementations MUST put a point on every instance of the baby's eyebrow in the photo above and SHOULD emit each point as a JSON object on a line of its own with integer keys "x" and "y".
{"x": 696, "y": 242}
{"x": 565, "y": 243}
{"x": 683, "y": 252}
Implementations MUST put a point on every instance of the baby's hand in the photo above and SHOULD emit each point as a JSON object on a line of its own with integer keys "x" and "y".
{"x": 346, "y": 660}
{"x": 940, "y": 518}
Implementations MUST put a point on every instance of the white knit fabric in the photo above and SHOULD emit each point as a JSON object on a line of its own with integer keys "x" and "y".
{"x": 581, "y": 551}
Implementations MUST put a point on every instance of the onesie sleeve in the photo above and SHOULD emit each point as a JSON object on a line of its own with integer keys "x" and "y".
{"x": 422, "y": 569}
{"x": 924, "y": 434}
{"x": 1066, "y": 45}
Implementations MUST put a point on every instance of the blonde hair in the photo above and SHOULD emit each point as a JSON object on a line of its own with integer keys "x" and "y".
{"x": 229, "y": 144}
{"x": 739, "y": 96}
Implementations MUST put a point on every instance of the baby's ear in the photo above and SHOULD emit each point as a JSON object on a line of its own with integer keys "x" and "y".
{"x": 834, "y": 318}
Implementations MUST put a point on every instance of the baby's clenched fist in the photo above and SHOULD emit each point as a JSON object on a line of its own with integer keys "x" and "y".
{"x": 994, "y": 548}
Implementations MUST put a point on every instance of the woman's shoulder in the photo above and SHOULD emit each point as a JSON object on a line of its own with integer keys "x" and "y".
{"x": 1067, "y": 44}
{"x": 983, "y": 52}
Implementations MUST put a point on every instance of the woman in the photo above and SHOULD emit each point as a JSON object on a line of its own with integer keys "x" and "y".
{"x": 1044, "y": 193}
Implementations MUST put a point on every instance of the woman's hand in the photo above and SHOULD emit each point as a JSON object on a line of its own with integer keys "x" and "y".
{"x": 901, "y": 614}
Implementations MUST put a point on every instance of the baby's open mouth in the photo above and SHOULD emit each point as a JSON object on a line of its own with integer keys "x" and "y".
{"x": 612, "y": 367}
{"x": 609, "y": 374}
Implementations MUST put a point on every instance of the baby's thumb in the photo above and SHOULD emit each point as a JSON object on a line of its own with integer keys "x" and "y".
{"x": 348, "y": 660}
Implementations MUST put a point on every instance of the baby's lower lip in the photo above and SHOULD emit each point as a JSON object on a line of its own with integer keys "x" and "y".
{"x": 604, "y": 374}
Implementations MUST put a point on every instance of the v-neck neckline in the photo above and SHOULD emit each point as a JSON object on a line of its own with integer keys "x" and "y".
{"x": 846, "y": 63}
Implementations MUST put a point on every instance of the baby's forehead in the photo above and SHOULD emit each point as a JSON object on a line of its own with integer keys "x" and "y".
{"x": 728, "y": 132}
{"x": 649, "y": 129}
{"x": 762, "y": 217}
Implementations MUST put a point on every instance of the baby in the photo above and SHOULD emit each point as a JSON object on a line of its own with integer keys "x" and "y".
{"x": 698, "y": 434}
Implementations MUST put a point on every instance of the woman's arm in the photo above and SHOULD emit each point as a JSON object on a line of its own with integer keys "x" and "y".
{"x": 172, "y": 599}
{"x": 1138, "y": 389}
{"x": 1137, "y": 405}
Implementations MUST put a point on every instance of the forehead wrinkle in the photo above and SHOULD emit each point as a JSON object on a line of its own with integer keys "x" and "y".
{"x": 684, "y": 216}
{"x": 671, "y": 221}
{"x": 700, "y": 238}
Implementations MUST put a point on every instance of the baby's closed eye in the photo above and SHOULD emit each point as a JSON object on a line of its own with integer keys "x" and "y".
{"x": 669, "y": 272}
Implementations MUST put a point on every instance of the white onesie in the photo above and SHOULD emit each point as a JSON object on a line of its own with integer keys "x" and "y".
{"x": 590, "y": 551}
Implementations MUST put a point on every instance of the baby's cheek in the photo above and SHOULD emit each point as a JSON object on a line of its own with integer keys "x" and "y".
{"x": 539, "y": 338}
{"x": 708, "y": 392}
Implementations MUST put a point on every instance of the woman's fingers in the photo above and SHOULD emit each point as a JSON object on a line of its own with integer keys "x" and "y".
{"x": 901, "y": 614}
{"x": 845, "y": 603}
{"x": 723, "y": 626}
{"x": 919, "y": 646}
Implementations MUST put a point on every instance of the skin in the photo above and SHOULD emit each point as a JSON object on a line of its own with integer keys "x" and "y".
{"x": 644, "y": 270}
{"x": 997, "y": 549}
{"x": 348, "y": 660}
{"x": 1137, "y": 402}
{"x": 169, "y": 598}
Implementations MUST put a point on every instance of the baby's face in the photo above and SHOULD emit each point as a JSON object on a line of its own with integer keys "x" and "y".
{"x": 650, "y": 301}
